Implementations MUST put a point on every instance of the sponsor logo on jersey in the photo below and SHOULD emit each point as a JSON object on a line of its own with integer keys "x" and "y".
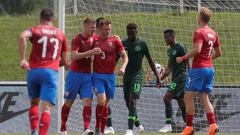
{"x": 137, "y": 48}
{"x": 174, "y": 52}
{"x": 110, "y": 44}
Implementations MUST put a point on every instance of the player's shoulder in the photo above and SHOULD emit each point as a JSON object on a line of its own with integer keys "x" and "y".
{"x": 77, "y": 37}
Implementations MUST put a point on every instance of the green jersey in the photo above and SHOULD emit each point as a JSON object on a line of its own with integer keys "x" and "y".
{"x": 135, "y": 51}
{"x": 178, "y": 69}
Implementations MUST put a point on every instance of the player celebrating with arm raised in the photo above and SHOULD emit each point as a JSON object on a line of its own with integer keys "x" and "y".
{"x": 79, "y": 78}
{"x": 132, "y": 80}
{"x": 104, "y": 68}
{"x": 200, "y": 79}
{"x": 179, "y": 74}
{"x": 48, "y": 45}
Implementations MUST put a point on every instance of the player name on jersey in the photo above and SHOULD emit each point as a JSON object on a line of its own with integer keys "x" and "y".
{"x": 49, "y": 32}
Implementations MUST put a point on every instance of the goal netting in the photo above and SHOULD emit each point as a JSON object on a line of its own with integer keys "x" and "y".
{"x": 152, "y": 18}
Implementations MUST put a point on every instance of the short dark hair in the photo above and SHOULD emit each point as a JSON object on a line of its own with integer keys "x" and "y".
{"x": 104, "y": 22}
{"x": 132, "y": 26}
{"x": 98, "y": 20}
{"x": 170, "y": 31}
{"x": 88, "y": 20}
{"x": 46, "y": 14}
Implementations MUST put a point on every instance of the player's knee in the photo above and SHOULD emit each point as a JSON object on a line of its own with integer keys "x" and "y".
{"x": 46, "y": 107}
{"x": 69, "y": 103}
{"x": 87, "y": 102}
{"x": 35, "y": 101}
{"x": 102, "y": 102}
{"x": 166, "y": 99}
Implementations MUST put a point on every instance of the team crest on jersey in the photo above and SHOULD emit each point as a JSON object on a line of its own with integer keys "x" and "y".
{"x": 110, "y": 44}
{"x": 137, "y": 48}
{"x": 174, "y": 52}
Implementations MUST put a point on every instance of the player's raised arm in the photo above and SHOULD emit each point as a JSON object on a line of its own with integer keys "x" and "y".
{"x": 25, "y": 35}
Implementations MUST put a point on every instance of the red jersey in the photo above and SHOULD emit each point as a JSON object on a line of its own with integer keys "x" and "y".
{"x": 209, "y": 40}
{"x": 106, "y": 61}
{"x": 48, "y": 42}
{"x": 81, "y": 44}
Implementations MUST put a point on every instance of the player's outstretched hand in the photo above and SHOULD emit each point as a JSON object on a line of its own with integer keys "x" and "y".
{"x": 121, "y": 71}
{"x": 24, "y": 65}
{"x": 179, "y": 59}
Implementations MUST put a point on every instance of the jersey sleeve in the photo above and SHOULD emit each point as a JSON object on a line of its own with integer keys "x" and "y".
{"x": 146, "y": 50}
{"x": 119, "y": 45}
{"x": 182, "y": 51}
{"x": 65, "y": 45}
{"x": 217, "y": 43}
{"x": 198, "y": 37}
{"x": 74, "y": 44}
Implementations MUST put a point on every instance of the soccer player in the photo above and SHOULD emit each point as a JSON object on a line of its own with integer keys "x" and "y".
{"x": 133, "y": 77}
{"x": 179, "y": 74}
{"x": 104, "y": 68}
{"x": 79, "y": 78}
{"x": 109, "y": 128}
{"x": 49, "y": 45}
{"x": 206, "y": 47}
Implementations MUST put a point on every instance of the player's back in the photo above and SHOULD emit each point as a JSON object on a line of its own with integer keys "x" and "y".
{"x": 47, "y": 45}
{"x": 209, "y": 39}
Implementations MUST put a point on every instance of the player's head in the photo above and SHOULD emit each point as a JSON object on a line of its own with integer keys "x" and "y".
{"x": 89, "y": 26}
{"x": 46, "y": 15}
{"x": 205, "y": 15}
{"x": 98, "y": 20}
{"x": 132, "y": 31}
{"x": 169, "y": 36}
{"x": 105, "y": 27}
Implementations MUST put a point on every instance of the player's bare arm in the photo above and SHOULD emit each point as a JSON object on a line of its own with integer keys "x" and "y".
{"x": 22, "y": 49}
{"x": 217, "y": 53}
{"x": 196, "y": 50}
{"x": 167, "y": 71}
{"x": 124, "y": 57}
{"x": 64, "y": 60}
{"x": 80, "y": 55}
{"x": 153, "y": 67}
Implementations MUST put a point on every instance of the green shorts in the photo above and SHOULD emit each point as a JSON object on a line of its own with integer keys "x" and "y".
{"x": 177, "y": 87}
{"x": 133, "y": 87}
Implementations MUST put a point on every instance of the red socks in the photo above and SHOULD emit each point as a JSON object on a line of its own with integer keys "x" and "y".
{"x": 99, "y": 112}
{"x": 64, "y": 116}
{"x": 34, "y": 117}
{"x": 189, "y": 120}
{"x": 44, "y": 123}
{"x": 211, "y": 118}
{"x": 87, "y": 111}
{"x": 104, "y": 119}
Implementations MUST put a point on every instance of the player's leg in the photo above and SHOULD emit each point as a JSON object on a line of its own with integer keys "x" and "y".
{"x": 99, "y": 84}
{"x": 168, "y": 111}
{"x": 204, "y": 99}
{"x": 34, "y": 95}
{"x": 193, "y": 84}
{"x": 109, "y": 129}
{"x": 48, "y": 97}
{"x": 86, "y": 94}
{"x": 110, "y": 91}
{"x": 72, "y": 86}
{"x": 135, "y": 91}
{"x": 179, "y": 96}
